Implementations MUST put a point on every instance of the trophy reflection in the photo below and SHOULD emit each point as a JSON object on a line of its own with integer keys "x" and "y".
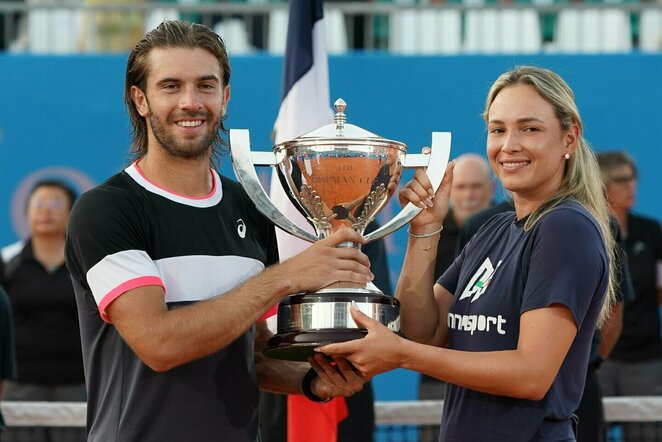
{"x": 338, "y": 176}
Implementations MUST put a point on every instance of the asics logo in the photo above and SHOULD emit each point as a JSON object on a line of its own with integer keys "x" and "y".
{"x": 241, "y": 228}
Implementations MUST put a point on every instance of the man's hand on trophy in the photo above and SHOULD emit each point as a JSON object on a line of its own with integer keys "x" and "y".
{"x": 335, "y": 377}
{"x": 419, "y": 192}
{"x": 323, "y": 263}
{"x": 379, "y": 351}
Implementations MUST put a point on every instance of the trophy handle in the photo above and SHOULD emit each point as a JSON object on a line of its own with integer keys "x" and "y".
{"x": 244, "y": 162}
{"x": 438, "y": 160}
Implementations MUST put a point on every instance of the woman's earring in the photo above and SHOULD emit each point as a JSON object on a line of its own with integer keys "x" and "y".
{"x": 567, "y": 156}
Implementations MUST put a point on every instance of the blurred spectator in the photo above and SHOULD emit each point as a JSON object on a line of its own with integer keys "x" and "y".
{"x": 356, "y": 25}
{"x": 472, "y": 192}
{"x": 7, "y": 363}
{"x": 111, "y": 31}
{"x": 8, "y": 27}
{"x": 48, "y": 350}
{"x": 634, "y": 367}
{"x": 473, "y": 223}
{"x": 591, "y": 426}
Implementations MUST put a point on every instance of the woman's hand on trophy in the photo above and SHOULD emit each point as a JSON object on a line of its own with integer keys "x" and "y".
{"x": 419, "y": 192}
{"x": 379, "y": 351}
{"x": 335, "y": 377}
{"x": 323, "y": 263}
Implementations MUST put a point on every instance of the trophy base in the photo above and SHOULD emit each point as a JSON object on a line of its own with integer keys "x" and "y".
{"x": 310, "y": 320}
{"x": 300, "y": 345}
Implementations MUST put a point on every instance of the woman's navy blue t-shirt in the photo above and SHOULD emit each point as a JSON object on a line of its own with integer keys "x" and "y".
{"x": 503, "y": 272}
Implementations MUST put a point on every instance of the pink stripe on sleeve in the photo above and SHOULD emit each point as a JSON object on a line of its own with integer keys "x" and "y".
{"x": 123, "y": 288}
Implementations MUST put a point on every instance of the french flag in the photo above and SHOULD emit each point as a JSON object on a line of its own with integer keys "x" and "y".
{"x": 305, "y": 103}
{"x": 305, "y": 106}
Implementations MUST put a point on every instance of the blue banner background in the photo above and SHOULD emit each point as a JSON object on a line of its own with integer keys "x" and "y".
{"x": 65, "y": 117}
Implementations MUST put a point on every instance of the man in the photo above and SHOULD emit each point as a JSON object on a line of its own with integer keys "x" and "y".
{"x": 151, "y": 251}
{"x": 591, "y": 425}
{"x": 634, "y": 367}
{"x": 471, "y": 192}
{"x": 359, "y": 425}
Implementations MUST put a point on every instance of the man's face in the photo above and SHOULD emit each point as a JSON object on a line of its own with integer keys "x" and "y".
{"x": 184, "y": 101}
{"x": 621, "y": 188}
{"x": 472, "y": 189}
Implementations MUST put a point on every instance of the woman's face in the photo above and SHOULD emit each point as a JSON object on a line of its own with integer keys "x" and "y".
{"x": 525, "y": 143}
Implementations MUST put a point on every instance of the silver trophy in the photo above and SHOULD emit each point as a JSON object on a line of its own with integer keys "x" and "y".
{"x": 338, "y": 176}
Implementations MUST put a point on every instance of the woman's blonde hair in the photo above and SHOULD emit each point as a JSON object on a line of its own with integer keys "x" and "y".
{"x": 582, "y": 181}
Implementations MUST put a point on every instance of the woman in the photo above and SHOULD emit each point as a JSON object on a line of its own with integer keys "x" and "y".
{"x": 509, "y": 324}
{"x": 7, "y": 370}
{"x": 49, "y": 365}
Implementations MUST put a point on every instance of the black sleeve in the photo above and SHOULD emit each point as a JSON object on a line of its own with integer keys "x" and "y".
{"x": 624, "y": 288}
{"x": 7, "y": 354}
{"x": 3, "y": 283}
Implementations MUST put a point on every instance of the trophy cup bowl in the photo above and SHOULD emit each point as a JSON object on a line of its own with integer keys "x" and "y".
{"x": 338, "y": 176}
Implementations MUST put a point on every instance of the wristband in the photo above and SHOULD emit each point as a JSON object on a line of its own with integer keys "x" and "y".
{"x": 306, "y": 387}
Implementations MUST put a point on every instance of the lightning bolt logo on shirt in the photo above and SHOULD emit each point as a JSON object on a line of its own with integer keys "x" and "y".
{"x": 480, "y": 280}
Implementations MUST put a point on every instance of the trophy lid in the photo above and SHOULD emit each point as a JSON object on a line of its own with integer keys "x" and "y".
{"x": 339, "y": 133}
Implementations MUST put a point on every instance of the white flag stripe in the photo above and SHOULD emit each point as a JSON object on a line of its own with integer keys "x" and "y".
{"x": 306, "y": 105}
{"x": 304, "y": 108}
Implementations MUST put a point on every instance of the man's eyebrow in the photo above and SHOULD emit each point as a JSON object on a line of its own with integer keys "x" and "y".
{"x": 210, "y": 77}
{"x": 169, "y": 80}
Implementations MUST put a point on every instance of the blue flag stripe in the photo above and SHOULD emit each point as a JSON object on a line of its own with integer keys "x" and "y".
{"x": 299, "y": 50}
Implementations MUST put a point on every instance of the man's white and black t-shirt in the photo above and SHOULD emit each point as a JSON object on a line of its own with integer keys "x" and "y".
{"x": 128, "y": 233}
